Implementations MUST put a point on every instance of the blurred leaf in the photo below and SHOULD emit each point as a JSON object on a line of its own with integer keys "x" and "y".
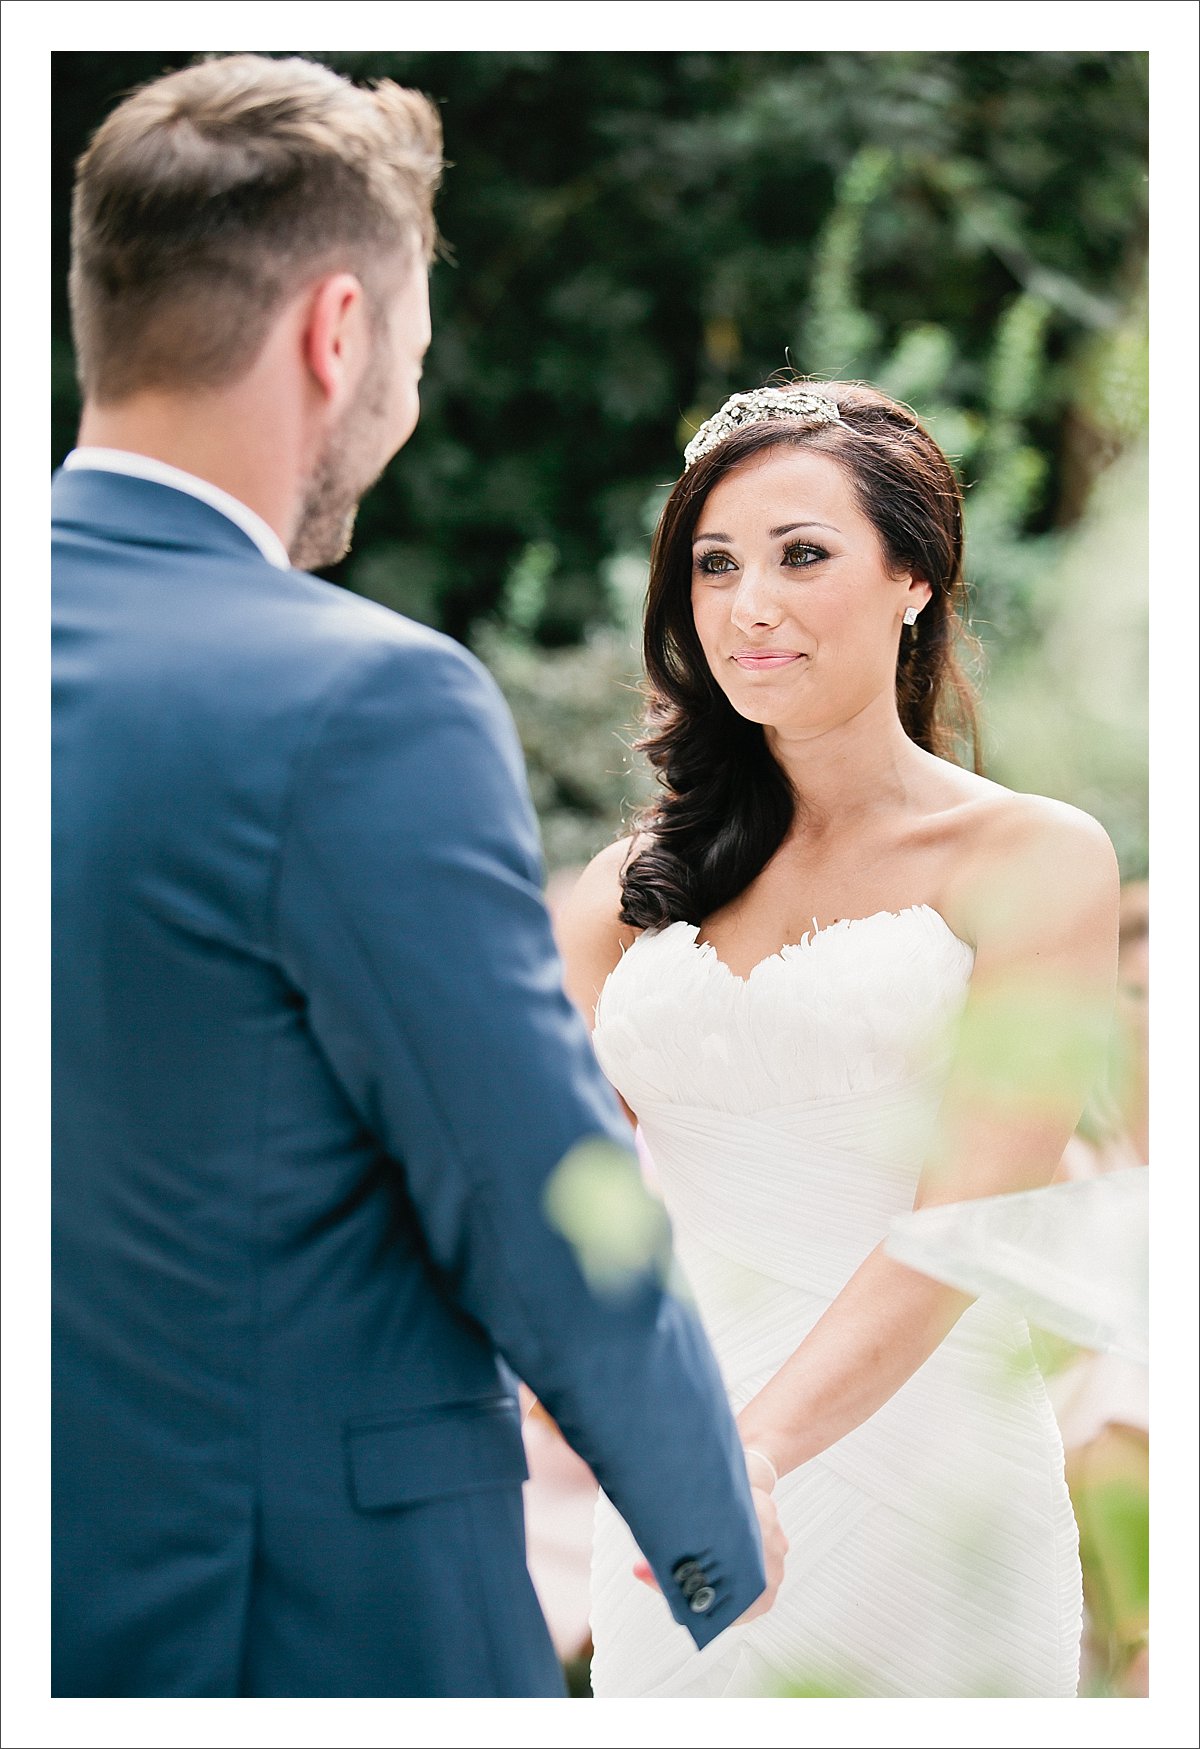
{"x": 596, "y": 1198}
{"x": 1024, "y": 1048}
{"x": 1117, "y": 1520}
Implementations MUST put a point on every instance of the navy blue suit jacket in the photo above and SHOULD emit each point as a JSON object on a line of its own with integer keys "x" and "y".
{"x": 313, "y": 1069}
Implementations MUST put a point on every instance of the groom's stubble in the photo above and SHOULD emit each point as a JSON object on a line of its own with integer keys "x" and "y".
{"x": 344, "y": 472}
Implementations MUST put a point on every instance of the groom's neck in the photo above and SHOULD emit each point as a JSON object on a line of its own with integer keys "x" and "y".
{"x": 235, "y": 438}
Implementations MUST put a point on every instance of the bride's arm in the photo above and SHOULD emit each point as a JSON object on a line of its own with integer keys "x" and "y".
{"x": 590, "y": 935}
{"x": 1031, "y": 1040}
{"x": 588, "y": 929}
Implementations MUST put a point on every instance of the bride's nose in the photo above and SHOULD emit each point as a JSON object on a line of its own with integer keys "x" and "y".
{"x": 755, "y": 606}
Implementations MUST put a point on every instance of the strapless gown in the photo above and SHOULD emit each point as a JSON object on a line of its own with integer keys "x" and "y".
{"x": 933, "y": 1551}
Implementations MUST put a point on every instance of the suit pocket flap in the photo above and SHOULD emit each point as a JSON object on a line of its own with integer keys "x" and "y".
{"x": 436, "y": 1452}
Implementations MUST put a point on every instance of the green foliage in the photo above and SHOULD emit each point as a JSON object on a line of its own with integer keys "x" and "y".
{"x": 1110, "y": 1491}
{"x": 575, "y": 707}
{"x": 636, "y": 235}
{"x": 1059, "y": 602}
{"x": 1116, "y": 1516}
{"x": 1066, "y": 709}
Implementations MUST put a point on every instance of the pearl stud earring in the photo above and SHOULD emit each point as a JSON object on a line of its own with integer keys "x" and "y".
{"x": 910, "y": 615}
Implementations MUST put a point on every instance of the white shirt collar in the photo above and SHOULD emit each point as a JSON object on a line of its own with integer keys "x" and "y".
{"x": 146, "y": 467}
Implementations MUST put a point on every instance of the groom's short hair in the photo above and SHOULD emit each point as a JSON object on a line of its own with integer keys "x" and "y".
{"x": 208, "y": 197}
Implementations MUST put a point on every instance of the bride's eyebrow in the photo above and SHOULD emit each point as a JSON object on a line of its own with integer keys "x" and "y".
{"x": 772, "y": 533}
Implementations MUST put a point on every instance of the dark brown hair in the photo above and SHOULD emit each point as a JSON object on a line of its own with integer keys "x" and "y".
{"x": 208, "y": 197}
{"x": 726, "y": 804}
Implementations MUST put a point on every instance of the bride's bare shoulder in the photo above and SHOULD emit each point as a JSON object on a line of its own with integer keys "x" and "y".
{"x": 1031, "y": 862}
{"x": 1000, "y": 821}
{"x": 591, "y": 935}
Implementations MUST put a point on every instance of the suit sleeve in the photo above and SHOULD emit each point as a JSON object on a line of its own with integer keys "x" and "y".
{"x": 411, "y": 918}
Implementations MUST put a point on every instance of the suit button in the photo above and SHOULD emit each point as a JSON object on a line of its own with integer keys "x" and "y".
{"x": 703, "y": 1599}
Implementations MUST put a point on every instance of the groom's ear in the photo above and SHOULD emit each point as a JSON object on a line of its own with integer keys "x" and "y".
{"x": 335, "y": 337}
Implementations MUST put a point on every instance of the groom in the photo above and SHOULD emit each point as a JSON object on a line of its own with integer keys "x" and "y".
{"x": 315, "y": 1078}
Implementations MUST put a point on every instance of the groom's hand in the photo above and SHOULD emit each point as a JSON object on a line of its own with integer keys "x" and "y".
{"x": 775, "y": 1548}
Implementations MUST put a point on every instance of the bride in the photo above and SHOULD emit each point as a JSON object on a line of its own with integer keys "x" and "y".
{"x": 835, "y": 975}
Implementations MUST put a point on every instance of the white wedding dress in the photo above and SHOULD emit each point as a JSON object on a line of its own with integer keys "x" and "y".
{"x": 933, "y": 1551}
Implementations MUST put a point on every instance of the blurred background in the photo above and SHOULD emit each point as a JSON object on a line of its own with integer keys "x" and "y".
{"x": 631, "y": 237}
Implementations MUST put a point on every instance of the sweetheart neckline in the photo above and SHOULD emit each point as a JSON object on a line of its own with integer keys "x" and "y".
{"x": 808, "y": 939}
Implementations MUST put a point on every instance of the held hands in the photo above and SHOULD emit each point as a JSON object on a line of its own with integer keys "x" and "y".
{"x": 761, "y": 1472}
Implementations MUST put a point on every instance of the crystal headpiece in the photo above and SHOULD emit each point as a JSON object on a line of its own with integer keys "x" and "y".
{"x": 753, "y": 407}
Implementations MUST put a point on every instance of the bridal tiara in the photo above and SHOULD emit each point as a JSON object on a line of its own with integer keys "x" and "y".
{"x": 756, "y": 405}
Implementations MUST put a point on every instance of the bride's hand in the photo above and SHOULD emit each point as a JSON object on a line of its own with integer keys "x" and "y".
{"x": 775, "y": 1548}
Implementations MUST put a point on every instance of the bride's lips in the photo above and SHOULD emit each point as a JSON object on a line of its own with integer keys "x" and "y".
{"x": 756, "y": 661}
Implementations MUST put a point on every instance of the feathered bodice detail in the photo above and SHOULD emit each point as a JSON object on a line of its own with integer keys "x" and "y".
{"x": 857, "y": 1007}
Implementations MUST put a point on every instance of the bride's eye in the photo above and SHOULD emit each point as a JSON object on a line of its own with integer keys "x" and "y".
{"x": 800, "y": 555}
{"x": 714, "y": 564}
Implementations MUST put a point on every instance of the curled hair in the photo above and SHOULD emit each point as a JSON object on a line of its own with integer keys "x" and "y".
{"x": 725, "y": 804}
{"x": 208, "y": 198}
